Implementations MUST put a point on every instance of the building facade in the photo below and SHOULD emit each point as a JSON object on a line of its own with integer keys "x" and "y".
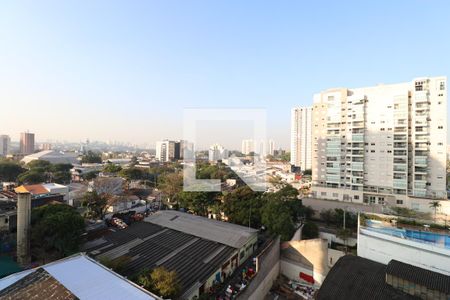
{"x": 165, "y": 150}
{"x": 301, "y": 137}
{"x": 5, "y": 145}
{"x": 381, "y": 145}
{"x": 26, "y": 143}
{"x": 217, "y": 152}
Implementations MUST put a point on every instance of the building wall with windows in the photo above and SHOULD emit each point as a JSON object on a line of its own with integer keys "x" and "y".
{"x": 381, "y": 145}
{"x": 301, "y": 137}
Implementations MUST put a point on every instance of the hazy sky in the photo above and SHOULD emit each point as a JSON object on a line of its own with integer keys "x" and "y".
{"x": 124, "y": 70}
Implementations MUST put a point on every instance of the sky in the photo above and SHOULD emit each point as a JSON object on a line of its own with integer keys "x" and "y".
{"x": 125, "y": 70}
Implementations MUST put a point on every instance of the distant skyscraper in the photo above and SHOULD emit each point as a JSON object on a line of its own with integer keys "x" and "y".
{"x": 26, "y": 143}
{"x": 217, "y": 152}
{"x": 248, "y": 146}
{"x": 383, "y": 144}
{"x": 5, "y": 144}
{"x": 165, "y": 150}
{"x": 271, "y": 147}
{"x": 45, "y": 146}
{"x": 301, "y": 137}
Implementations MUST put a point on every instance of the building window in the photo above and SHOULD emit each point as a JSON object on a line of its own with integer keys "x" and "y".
{"x": 356, "y": 197}
{"x": 442, "y": 86}
{"x": 381, "y": 129}
{"x": 440, "y": 127}
{"x": 323, "y": 193}
{"x": 380, "y": 200}
{"x": 335, "y": 195}
{"x": 399, "y": 201}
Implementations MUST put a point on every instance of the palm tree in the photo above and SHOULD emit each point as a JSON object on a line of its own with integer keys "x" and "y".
{"x": 435, "y": 205}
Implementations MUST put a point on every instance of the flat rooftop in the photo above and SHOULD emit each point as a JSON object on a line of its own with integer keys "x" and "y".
{"x": 232, "y": 235}
{"x": 149, "y": 245}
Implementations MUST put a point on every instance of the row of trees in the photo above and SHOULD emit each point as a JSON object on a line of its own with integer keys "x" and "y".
{"x": 36, "y": 171}
{"x": 279, "y": 212}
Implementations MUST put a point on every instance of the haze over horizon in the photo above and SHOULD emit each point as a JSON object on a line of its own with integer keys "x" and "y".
{"x": 109, "y": 70}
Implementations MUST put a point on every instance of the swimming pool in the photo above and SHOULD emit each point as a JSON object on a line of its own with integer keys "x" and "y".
{"x": 440, "y": 240}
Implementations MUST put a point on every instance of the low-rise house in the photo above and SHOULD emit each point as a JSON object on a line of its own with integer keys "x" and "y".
{"x": 42, "y": 194}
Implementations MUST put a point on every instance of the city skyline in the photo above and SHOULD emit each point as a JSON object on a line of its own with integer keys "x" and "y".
{"x": 131, "y": 80}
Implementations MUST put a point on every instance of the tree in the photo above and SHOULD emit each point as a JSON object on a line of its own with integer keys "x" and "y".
{"x": 171, "y": 185}
{"x": 344, "y": 234}
{"x": 435, "y": 205}
{"x": 243, "y": 206}
{"x": 56, "y": 228}
{"x": 285, "y": 157}
{"x": 310, "y": 231}
{"x": 9, "y": 171}
{"x": 327, "y": 216}
{"x": 96, "y": 204}
{"x": 112, "y": 168}
{"x": 307, "y": 172}
{"x": 39, "y": 164}
{"x": 91, "y": 158}
{"x": 31, "y": 177}
{"x": 132, "y": 173}
{"x": 276, "y": 216}
{"x": 198, "y": 202}
{"x": 90, "y": 175}
{"x": 161, "y": 282}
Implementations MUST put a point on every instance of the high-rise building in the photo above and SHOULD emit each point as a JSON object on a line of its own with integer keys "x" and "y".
{"x": 217, "y": 152}
{"x": 26, "y": 143}
{"x": 5, "y": 144}
{"x": 301, "y": 137}
{"x": 45, "y": 146}
{"x": 167, "y": 150}
{"x": 271, "y": 147}
{"x": 248, "y": 146}
{"x": 381, "y": 145}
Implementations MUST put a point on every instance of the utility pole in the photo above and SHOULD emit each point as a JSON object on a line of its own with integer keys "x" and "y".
{"x": 344, "y": 216}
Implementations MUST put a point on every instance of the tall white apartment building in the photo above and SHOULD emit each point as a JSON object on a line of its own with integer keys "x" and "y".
{"x": 5, "y": 145}
{"x": 166, "y": 150}
{"x": 271, "y": 147}
{"x": 248, "y": 146}
{"x": 301, "y": 137}
{"x": 381, "y": 145}
{"x": 217, "y": 152}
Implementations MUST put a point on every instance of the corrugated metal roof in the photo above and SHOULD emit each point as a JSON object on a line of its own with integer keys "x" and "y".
{"x": 226, "y": 233}
{"x": 356, "y": 278}
{"x": 86, "y": 279}
{"x": 429, "y": 279}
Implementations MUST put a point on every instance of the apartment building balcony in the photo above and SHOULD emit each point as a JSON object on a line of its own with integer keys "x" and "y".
{"x": 420, "y": 160}
{"x": 357, "y": 153}
{"x": 400, "y": 152}
{"x": 400, "y": 168}
{"x": 421, "y": 96}
{"x": 400, "y": 145}
{"x": 420, "y": 184}
{"x": 421, "y": 170}
{"x": 400, "y": 183}
{"x": 358, "y": 181}
{"x": 357, "y": 166}
{"x": 400, "y": 129}
{"x": 358, "y": 137}
{"x": 400, "y": 137}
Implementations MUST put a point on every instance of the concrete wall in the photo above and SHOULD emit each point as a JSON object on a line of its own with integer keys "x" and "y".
{"x": 268, "y": 270}
{"x": 383, "y": 248}
{"x": 330, "y": 237}
{"x": 311, "y": 258}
